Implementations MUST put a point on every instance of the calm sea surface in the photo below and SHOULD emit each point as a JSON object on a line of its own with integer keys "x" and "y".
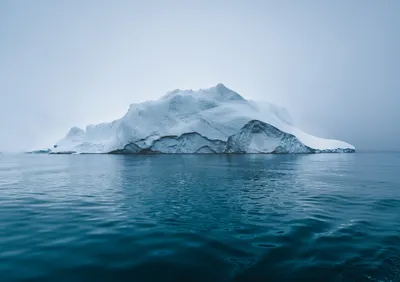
{"x": 328, "y": 217}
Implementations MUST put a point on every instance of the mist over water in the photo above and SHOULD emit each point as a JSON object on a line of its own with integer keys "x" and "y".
{"x": 328, "y": 217}
{"x": 333, "y": 64}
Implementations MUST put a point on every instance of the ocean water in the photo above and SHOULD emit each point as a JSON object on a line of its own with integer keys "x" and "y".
{"x": 328, "y": 217}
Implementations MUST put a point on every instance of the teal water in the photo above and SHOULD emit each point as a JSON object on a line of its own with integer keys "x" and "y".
{"x": 328, "y": 217}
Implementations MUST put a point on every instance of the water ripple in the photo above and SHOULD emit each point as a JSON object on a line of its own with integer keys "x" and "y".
{"x": 200, "y": 218}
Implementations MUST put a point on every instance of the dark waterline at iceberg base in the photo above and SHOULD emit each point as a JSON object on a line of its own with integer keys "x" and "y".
{"x": 323, "y": 217}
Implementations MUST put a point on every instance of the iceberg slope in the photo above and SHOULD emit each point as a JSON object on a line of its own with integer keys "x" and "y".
{"x": 213, "y": 120}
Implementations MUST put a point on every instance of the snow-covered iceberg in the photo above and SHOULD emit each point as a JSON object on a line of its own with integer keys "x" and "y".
{"x": 213, "y": 120}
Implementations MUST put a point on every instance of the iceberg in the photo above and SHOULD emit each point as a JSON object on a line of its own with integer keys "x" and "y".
{"x": 208, "y": 121}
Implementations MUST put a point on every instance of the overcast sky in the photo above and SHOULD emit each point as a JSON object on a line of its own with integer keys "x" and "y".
{"x": 335, "y": 65}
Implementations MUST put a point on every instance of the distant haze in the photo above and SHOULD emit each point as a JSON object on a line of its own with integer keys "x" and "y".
{"x": 334, "y": 65}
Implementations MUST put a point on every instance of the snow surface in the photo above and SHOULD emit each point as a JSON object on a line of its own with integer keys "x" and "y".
{"x": 215, "y": 113}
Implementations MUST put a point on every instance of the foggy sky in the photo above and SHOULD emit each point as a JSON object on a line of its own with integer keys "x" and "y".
{"x": 334, "y": 65}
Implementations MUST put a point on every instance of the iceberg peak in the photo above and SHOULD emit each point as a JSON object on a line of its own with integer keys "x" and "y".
{"x": 221, "y": 87}
{"x": 218, "y": 92}
{"x": 75, "y": 131}
{"x": 222, "y": 93}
